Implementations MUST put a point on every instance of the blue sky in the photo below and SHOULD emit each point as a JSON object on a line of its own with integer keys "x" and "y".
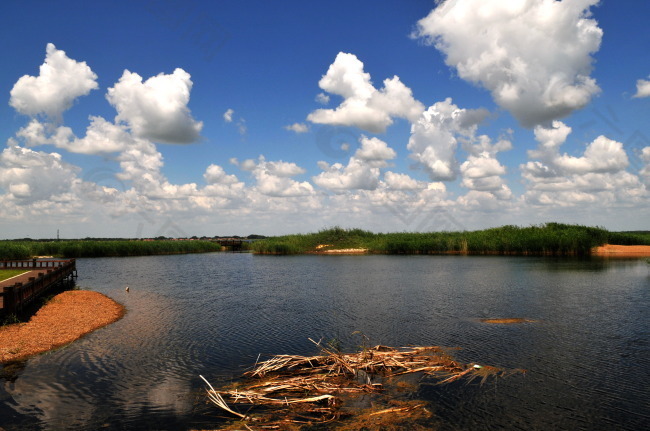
{"x": 180, "y": 118}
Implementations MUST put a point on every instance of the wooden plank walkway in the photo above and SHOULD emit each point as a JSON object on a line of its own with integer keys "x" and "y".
{"x": 18, "y": 292}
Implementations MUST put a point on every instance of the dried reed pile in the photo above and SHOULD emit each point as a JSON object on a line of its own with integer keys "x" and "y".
{"x": 289, "y": 389}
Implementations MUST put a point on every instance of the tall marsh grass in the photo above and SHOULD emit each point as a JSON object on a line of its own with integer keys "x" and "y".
{"x": 104, "y": 248}
{"x": 546, "y": 239}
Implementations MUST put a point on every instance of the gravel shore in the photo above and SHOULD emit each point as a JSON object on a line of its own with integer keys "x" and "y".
{"x": 64, "y": 319}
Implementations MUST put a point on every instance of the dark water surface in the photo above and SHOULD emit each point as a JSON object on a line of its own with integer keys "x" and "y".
{"x": 587, "y": 352}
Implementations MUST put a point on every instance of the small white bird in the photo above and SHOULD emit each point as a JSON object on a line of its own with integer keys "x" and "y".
{"x": 127, "y": 288}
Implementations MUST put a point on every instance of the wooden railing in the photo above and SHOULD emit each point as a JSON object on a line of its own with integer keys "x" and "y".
{"x": 32, "y": 263}
{"x": 15, "y": 297}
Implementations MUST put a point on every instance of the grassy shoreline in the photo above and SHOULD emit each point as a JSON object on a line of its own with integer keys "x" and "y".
{"x": 102, "y": 248}
{"x": 554, "y": 239}
{"x": 547, "y": 239}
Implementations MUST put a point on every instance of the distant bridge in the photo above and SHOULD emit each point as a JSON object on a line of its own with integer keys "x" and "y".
{"x": 235, "y": 244}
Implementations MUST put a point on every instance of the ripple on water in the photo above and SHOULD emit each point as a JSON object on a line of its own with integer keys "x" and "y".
{"x": 586, "y": 351}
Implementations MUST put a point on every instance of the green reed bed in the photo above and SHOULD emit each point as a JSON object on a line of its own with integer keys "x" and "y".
{"x": 546, "y": 239}
{"x": 304, "y": 243}
{"x": 103, "y": 248}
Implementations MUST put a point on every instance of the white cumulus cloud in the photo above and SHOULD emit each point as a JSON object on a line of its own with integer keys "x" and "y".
{"x": 596, "y": 177}
{"x": 364, "y": 106}
{"x": 30, "y": 176}
{"x": 482, "y": 171}
{"x": 156, "y": 109}
{"x": 399, "y": 181}
{"x": 362, "y": 171}
{"x": 435, "y": 136}
{"x": 214, "y": 174}
{"x": 61, "y": 80}
{"x": 274, "y": 178}
{"x": 534, "y": 56}
{"x": 222, "y": 185}
{"x": 601, "y": 155}
{"x": 374, "y": 150}
{"x": 357, "y": 175}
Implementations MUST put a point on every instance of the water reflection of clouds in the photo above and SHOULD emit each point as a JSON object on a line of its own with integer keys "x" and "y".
{"x": 124, "y": 359}
{"x": 49, "y": 399}
{"x": 170, "y": 393}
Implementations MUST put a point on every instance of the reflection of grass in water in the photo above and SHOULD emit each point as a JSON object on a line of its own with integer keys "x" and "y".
{"x": 397, "y": 415}
{"x": 11, "y": 370}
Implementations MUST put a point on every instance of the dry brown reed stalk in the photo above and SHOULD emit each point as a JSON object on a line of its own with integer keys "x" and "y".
{"x": 310, "y": 389}
{"x": 396, "y": 410}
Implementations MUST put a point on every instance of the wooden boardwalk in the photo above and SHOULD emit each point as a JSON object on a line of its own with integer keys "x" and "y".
{"x": 18, "y": 292}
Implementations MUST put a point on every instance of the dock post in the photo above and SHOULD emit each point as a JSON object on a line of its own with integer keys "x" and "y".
{"x": 9, "y": 300}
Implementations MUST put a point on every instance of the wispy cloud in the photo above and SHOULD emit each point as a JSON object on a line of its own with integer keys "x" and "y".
{"x": 297, "y": 127}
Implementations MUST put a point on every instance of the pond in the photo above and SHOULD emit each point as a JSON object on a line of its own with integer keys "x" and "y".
{"x": 585, "y": 343}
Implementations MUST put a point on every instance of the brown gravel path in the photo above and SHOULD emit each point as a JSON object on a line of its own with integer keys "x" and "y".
{"x": 67, "y": 317}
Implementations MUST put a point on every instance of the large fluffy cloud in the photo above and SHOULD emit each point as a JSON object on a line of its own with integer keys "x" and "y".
{"x": 363, "y": 105}
{"x": 534, "y": 56}
{"x": 435, "y": 136}
{"x": 60, "y": 81}
{"x": 156, "y": 109}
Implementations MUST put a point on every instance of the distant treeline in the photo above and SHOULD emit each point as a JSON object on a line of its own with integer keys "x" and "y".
{"x": 545, "y": 239}
{"x": 105, "y": 248}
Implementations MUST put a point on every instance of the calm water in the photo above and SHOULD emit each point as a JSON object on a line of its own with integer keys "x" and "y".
{"x": 587, "y": 353}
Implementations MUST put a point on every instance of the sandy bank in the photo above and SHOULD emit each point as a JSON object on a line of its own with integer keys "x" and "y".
{"x": 67, "y": 317}
{"x": 622, "y": 250}
{"x": 345, "y": 251}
